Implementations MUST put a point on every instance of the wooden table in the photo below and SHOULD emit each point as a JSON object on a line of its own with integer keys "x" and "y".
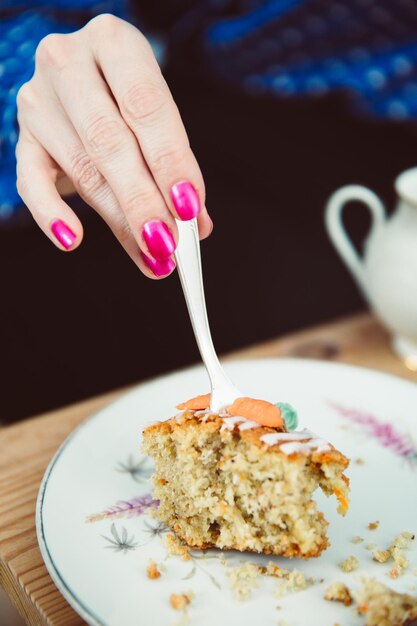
{"x": 26, "y": 448}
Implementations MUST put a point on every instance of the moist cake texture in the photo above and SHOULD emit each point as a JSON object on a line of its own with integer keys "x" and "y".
{"x": 227, "y": 482}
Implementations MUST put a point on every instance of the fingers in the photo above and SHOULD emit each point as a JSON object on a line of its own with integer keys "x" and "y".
{"x": 36, "y": 178}
{"x": 147, "y": 106}
{"x": 67, "y": 151}
{"x": 111, "y": 146}
{"x": 205, "y": 225}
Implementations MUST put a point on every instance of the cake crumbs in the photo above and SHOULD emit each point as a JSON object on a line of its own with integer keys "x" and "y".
{"x": 338, "y": 592}
{"x": 381, "y": 556}
{"x": 350, "y": 564}
{"x": 273, "y": 570}
{"x": 403, "y": 540}
{"x": 400, "y": 559}
{"x": 373, "y": 525}
{"x": 371, "y": 546}
{"x": 394, "y": 573}
{"x": 382, "y": 606}
{"x": 360, "y": 461}
{"x": 152, "y": 571}
{"x": 395, "y": 552}
{"x": 243, "y": 579}
{"x": 357, "y": 539}
{"x": 179, "y": 601}
{"x": 294, "y": 581}
{"x": 175, "y": 548}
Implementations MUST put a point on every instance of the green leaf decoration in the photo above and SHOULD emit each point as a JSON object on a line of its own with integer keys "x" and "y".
{"x": 289, "y": 415}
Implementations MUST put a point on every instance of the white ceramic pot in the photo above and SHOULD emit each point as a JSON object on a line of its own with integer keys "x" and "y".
{"x": 387, "y": 273}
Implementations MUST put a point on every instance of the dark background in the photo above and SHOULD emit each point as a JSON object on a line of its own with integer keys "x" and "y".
{"x": 74, "y": 325}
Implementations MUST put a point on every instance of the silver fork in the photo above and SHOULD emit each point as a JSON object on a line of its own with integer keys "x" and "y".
{"x": 188, "y": 258}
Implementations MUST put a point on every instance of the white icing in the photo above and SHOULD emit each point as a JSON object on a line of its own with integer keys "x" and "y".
{"x": 210, "y": 412}
{"x": 204, "y": 414}
{"x": 303, "y": 442}
{"x": 295, "y": 446}
{"x": 321, "y": 445}
{"x": 272, "y": 438}
{"x": 230, "y": 422}
{"x": 247, "y": 425}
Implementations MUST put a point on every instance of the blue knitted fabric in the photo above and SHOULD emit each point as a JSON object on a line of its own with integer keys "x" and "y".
{"x": 308, "y": 47}
{"x": 282, "y": 48}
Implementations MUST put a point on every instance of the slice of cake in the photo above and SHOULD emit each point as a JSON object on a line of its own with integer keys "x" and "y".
{"x": 240, "y": 480}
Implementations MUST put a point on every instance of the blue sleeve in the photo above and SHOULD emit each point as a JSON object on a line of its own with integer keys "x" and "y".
{"x": 20, "y": 33}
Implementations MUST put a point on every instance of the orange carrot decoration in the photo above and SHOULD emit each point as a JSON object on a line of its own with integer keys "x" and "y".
{"x": 260, "y": 411}
{"x": 199, "y": 403}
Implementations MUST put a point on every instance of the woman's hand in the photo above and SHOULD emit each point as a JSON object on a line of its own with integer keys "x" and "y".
{"x": 99, "y": 113}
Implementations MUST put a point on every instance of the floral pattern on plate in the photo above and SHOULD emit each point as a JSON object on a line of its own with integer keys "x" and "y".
{"x": 386, "y": 433}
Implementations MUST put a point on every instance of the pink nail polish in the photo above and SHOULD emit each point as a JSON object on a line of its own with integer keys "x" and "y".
{"x": 158, "y": 238}
{"x": 159, "y": 267}
{"x": 63, "y": 233}
{"x": 186, "y": 200}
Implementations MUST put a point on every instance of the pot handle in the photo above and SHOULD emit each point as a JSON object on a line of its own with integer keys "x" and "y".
{"x": 337, "y": 232}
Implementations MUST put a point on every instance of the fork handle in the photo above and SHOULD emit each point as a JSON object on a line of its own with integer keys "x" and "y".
{"x": 188, "y": 260}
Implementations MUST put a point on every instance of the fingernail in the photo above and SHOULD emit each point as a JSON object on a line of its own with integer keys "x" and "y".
{"x": 63, "y": 233}
{"x": 158, "y": 238}
{"x": 186, "y": 200}
{"x": 159, "y": 267}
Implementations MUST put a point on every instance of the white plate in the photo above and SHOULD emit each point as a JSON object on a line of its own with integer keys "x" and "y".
{"x": 365, "y": 414}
